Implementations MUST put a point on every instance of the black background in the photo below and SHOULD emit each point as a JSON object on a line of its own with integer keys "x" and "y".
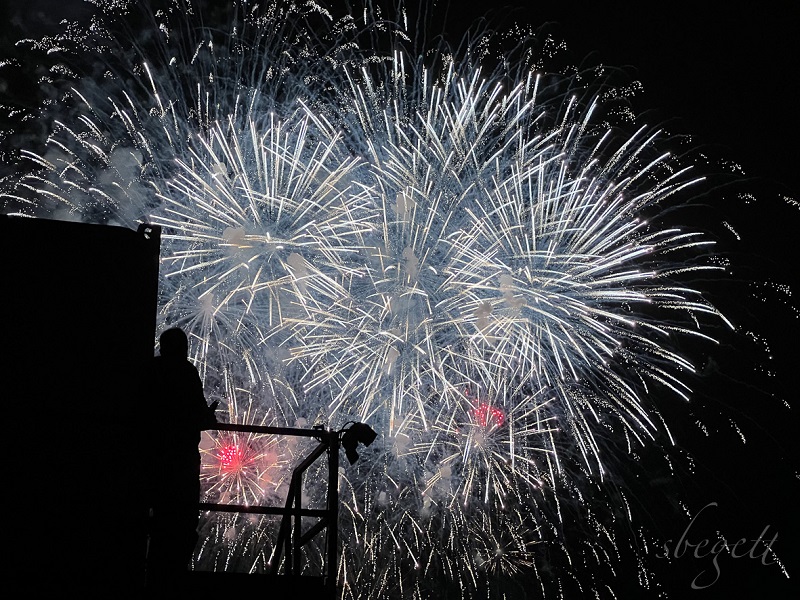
{"x": 726, "y": 75}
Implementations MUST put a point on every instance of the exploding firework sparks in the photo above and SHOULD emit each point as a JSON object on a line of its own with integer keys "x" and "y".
{"x": 468, "y": 260}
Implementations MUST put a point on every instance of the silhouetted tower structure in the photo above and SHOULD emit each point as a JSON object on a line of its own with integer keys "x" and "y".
{"x": 80, "y": 303}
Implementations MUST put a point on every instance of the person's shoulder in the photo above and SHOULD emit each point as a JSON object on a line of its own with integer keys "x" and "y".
{"x": 187, "y": 368}
{"x": 171, "y": 365}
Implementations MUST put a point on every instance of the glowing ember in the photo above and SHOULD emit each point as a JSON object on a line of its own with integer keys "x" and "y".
{"x": 230, "y": 458}
{"x": 487, "y": 415}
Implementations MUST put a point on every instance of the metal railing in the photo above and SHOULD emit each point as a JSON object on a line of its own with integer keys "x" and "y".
{"x": 291, "y": 538}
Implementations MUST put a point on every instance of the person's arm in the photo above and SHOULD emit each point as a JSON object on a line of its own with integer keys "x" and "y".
{"x": 206, "y": 418}
{"x": 210, "y": 417}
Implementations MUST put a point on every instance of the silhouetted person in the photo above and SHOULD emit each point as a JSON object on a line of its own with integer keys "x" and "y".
{"x": 179, "y": 413}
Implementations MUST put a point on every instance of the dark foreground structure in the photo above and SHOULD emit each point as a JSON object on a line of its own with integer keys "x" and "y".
{"x": 79, "y": 306}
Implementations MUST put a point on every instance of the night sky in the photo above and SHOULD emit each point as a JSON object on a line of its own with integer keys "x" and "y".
{"x": 726, "y": 77}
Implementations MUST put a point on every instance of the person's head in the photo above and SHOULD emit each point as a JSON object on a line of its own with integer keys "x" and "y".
{"x": 173, "y": 343}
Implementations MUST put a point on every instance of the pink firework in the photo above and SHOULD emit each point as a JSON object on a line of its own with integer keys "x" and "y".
{"x": 487, "y": 415}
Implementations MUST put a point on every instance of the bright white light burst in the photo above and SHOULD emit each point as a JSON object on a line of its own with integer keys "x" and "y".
{"x": 469, "y": 258}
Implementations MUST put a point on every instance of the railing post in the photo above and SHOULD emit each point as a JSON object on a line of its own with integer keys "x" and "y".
{"x": 333, "y": 507}
{"x": 286, "y": 527}
{"x": 296, "y": 529}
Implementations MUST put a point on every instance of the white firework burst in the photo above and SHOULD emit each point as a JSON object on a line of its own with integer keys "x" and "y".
{"x": 470, "y": 260}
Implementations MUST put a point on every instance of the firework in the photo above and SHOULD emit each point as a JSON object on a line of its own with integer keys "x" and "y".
{"x": 470, "y": 261}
